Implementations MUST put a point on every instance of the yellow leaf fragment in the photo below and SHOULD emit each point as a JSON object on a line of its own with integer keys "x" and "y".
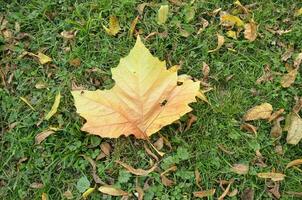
{"x": 27, "y": 103}
{"x": 113, "y": 191}
{"x": 243, "y": 8}
{"x": 262, "y": 111}
{"x": 132, "y": 26}
{"x": 231, "y": 20}
{"x": 163, "y": 14}
{"x": 250, "y": 31}
{"x": 240, "y": 168}
{"x": 298, "y": 61}
{"x": 220, "y": 42}
{"x": 68, "y": 35}
{"x": 231, "y": 34}
{"x": 68, "y": 195}
{"x": 250, "y": 128}
{"x": 298, "y": 12}
{"x": 276, "y": 115}
{"x": 114, "y": 26}
{"x": 226, "y": 191}
{"x": 44, "y": 196}
{"x": 43, "y": 59}
{"x": 294, "y": 163}
{"x": 140, "y": 193}
{"x": 86, "y": 194}
{"x": 43, "y": 135}
{"x": 54, "y": 107}
{"x": 272, "y": 175}
{"x": 294, "y": 128}
{"x": 145, "y": 98}
{"x": 138, "y": 172}
{"x": 204, "y": 193}
{"x": 289, "y": 78}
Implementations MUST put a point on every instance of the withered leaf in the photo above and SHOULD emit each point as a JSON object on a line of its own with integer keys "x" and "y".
{"x": 43, "y": 135}
{"x": 166, "y": 182}
{"x": 133, "y": 25}
{"x": 220, "y": 42}
{"x": 226, "y": 191}
{"x": 248, "y": 194}
{"x": 276, "y": 115}
{"x": 36, "y": 185}
{"x": 68, "y": 34}
{"x": 287, "y": 54}
{"x": 114, "y": 26}
{"x": 140, "y": 192}
{"x": 294, "y": 128}
{"x": 250, "y": 31}
{"x": 163, "y": 14}
{"x": 197, "y": 178}
{"x": 54, "y": 107}
{"x": 289, "y": 78}
{"x": 249, "y": 127}
{"x": 159, "y": 144}
{"x": 240, "y": 168}
{"x": 138, "y": 172}
{"x": 276, "y": 130}
{"x": 298, "y": 61}
{"x": 76, "y": 62}
{"x": 272, "y": 175}
{"x": 294, "y": 163}
{"x": 262, "y": 111}
{"x": 205, "y": 193}
{"x": 231, "y": 20}
{"x": 113, "y": 191}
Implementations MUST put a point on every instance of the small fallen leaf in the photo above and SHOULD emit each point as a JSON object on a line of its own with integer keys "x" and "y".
{"x": 150, "y": 153}
{"x": 276, "y": 115}
{"x": 36, "y": 185}
{"x": 113, "y": 191}
{"x": 166, "y": 182}
{"x": 76, "y": 62}
{"x": 163, "y": 14}
{"x": 298, "y": 12}
{"x": 17, "y": 27}
{"x": 27, "y": 102}
{"x": 114, "y": 26}
{"x": 173, "y": 169}
{"x": 272, "y": 175}
{"x": 298, "y": 105}
{"x": 288, "y": 53}
{"x": 54, "y": 107}
{"x": 184, "y": 33}
{"x": 95, "y": 176}
{"x": 240, "y": 169}
{"x": 138, "y": 172}
{"x": 43, "y": 59}
{"x": 294, "y": 163}
{"x": 222, "y": 148}
{"x": 132, "y": 26}
{"x": 233, "y": 193}
{"x": 205, "y": 24}
{"x": 140, "y": 192}
{"x": 250, "y": 31}
{"x": 244, "y": 9}
{"x": 42, "y": 136}
{"x": 226, "y": 191}
{"x": 159, "y": 144}
{"x": 86, "y": 194}
{"x": 204, "y": 193}
{"x": 262, "y": 111}
{"x": 40, "y": 85}
{"x": 68, "y": 35}
{"x": 231, "y": 34}
{"x": 44, "y": 196}
{"x": 276, "y": 130}
{"x": 248, "y": 194}
{"x": 220, "y": 42}
{"x": 106, "y": 148}
{"x": 267, "y": 75}
{"x": 197, "y": 178}
{"x": 205, "y": 71}
{"x": 249, "y": 127}
{"x": 289, "y": 78}
{"x": 275, "y": 190}
{"x": 298, "y": 61}
{"x": 294, "y": 128}
{"x": 231, "y": 20}
{"x": 140, "y": 7}
{"x": 68, "y": 195}
{"x": 191, "y": 120}
{"x": 295, "y": 194}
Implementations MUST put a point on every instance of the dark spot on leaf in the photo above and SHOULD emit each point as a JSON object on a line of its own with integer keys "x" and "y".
{"x": 163, "y": 103}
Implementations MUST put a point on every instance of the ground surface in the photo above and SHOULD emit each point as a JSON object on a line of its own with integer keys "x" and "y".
{"x": 57, "y": 162}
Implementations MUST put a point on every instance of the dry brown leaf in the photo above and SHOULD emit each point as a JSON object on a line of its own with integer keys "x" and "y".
{"x": 106, "y": 148}
{"x": 173, "y": 169}
{"x": 166, "y": 141}
{"x": 250, "y": 31}
{"x": 150, "y": 153}
{"x": 136, "y": 105}
{"x": 114, "y": 26}
{"x": 262, "y": 111}
{"x": 272, "y": 175}
{"x": 68, "y": 34}
{"x": 43, "y": 135}
{"x": 166, "y": 182}
{"x": 298, "y": 61}
{"x": 267, "y": 75}
{"x": 243, "y": 8}
{"x": 289, "y": 78}
{"x": 140, "y": 7}
{"x": 205, "y": 71}
{"x": 226, "y": 191}
{"x": 113, "y": 191}
{"x": 294, "y": 163}
{"x": 163, "y": 14}
{"x": 248, "y": 194}
{"x": 205, "y": 24}
{"x": 276, "y": 115}
{"x": 140, "y": 193}
{"x": 296, "y": 194}
{"x": 205, "y": 193}
{"x": 138, "y": 172}
{"x": 220, "y": 42}
{"x": 233, "y": 193}
{"x": 275, "y": 190}
{"x": 176, "y": 2}
{"x": 197, "y": 178}
{"x": 240, "y": 169}
{"x": 95, "y": 176}
{"x": 36, "y": 185}
{"x": 222, "y": 148}
{"x": 298, "y": 105}
{"x": 68, "y": 195}
{"x": 276, "y": 130}
{"x": 249, "y": 127}
{"x": 294, "y": 128}
{"x": 132, "y": 26}
{"x": 76, "y": 62}
{"x": 159, "y": 144}
{"x": 191, "y": 120}
{"x": 288, "y": 53}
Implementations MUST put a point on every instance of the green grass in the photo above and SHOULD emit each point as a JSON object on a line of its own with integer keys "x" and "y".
{"x": 57, "y": 162}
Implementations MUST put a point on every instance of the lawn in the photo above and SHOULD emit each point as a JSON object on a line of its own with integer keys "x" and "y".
{"x": 212, "y": 144}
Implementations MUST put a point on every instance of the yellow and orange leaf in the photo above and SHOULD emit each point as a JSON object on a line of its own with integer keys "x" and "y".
{"x": 145, "y": 98}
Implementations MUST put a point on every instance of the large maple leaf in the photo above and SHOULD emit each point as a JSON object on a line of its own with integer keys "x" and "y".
{"x": 146, "y": 96}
